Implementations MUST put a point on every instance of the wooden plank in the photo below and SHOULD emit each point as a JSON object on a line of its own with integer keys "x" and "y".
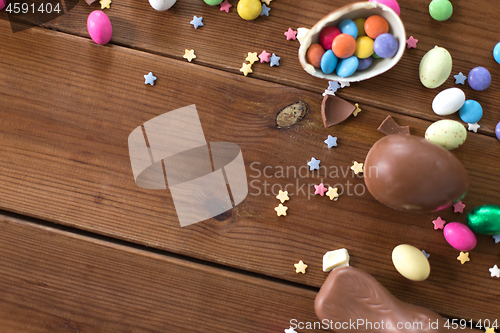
{"x": 468, "y": 35}
{"x": 69, "y": 106}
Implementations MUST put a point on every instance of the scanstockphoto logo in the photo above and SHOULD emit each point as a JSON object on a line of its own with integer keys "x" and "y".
{"x": 34, "y": 12}
{"x": 205, "y": 179}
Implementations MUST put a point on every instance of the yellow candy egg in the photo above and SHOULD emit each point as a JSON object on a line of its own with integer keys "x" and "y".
{"x": 249, "y": 9}
{"x": 364, "y": 47}
{"x": 360, "y": 23}
{"x": 411, "y": 262}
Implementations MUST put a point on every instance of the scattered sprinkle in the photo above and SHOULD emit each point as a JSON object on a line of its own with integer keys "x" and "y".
{"x": 281, "y": 210}
{"x": 189, "y": 55}
{"x": 357, "y": 167}
{"x": 320, "y": 189}
{"x": 267, "y": 2}
{"x": 438, "y": 223}
{"x": 246, "y": 68}
{"x": 333, "y": 86}
{"x": 489, "y": 330}
{"x": 358, "y": 110}
{"x": 344, "y": 84}
{"x": 197, "y": 22}
{"x": 275, "y": 60}
{"x": 264, "y": 56}
{"x": 495, "y": 271}
{"x": 290, "y": 330}
{"x": 463, "y": 257}
{"x": 282, "y": 196}
{"x": 290, "y": 34}
{"x": 265, "y": 10}
{"x": 300, "y": 267}
{"x": 460, "y": 78}
{"x": 427, "y": 255}
{"x": 252, "y": 57}
{"x": 150, "y": 79}
{"x": 331, "y": 141}
{"x": 224, "y": 6}
{"x": 496, "y": 238}
{"x": 411, "y": 43}
{"x": 313, "y": 164}
{"x": 458, "y": 207}
{"x": 105, "y": 4}
{"x": 332, "y": 193}
{"x": 473, "y": 127}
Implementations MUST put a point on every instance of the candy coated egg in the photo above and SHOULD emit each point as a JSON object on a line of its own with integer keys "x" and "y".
{"x": 364, "y": 63}
{"x": 479, "y": 78}
{"x": 471, "y": 112}
{"x": 376, "y": 25}
{"x": 497, "y": 130}
{"x": 459, "y": 236}
{"x": 374, "y": 55}
{"x": 327, "y": 35}
{"x": 347, "y": 67}
{"x": 99, "y": 27}
{"x": 410, "y": 262}
{"x": 348, "y": 27}
{"x": 485, "y": 220}
{"x": 448, "y": 101}
{"x": 496, "y": 52}
{"x": 435, "y": 67}
{"x": 213, "y": 2}
{"x": 440, "y": 10}
{"x": 449, "y": 134}
{"x": 344, "y": 46}
{"x": 2, "y": 4}
{"x": 407, "y": 172}
{"x": 314, "y": 54}
{"x": 249, "y": 9}
{"x": 385, "y": 46}
{"x": 162, "y": 5}
{"x": 364, "y": 47}
{"x": 328, "y": 62}
{"x": 360, "y": 24}
{"x": 393, "y": 4}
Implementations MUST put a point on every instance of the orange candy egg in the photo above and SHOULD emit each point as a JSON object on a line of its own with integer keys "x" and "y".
{"x": 315, "y": 53}
{"x": 376, "y": 25}
{"x": 344, "y": 46}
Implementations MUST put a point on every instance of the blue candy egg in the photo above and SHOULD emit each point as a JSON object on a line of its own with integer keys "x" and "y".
{"x": 348, "y": 27}
{"x": 496, "y": 53}
{"x": 497, "y": 130}
{"x": 364, "y": 63}
{"x": 385, "y": 46}
{"x": 471, "y": 111}
{"x": 328, "y": 62}
{"x": 347, "y": 67}
{"x": 479, "y": 78}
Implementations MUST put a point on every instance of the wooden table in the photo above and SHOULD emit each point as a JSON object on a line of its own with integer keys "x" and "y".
{"x": 84, "y": 249}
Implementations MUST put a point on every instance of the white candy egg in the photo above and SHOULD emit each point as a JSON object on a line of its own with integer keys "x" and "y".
{"x": 162, "y": 5}
{"x": 448, "y": 101}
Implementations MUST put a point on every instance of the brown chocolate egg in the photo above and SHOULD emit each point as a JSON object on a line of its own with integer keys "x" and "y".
{"x": 407, "y": 172}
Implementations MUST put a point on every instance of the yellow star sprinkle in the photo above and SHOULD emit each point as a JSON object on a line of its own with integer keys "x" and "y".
{"x": 357, "y": 167}
{"x": 189, "y": 55}
{"x": 300, "y": 267}
{"x": 281, "y": 210}
{"x": 463, "y": 257}
{"x": 105, "y": 3}
{"x": 252, "y": 57}
{"x": 358, "y": 110}
{"x": 267, "y": 1}
{"x": 332, "y": 193}
{"x": 246, "y": 69}
{"x": 490, "y": 330}
{"x": 282, "y": 196}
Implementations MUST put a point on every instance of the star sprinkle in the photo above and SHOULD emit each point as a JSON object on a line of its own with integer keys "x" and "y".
{"x": 196, "y": 22}
{"x": 224, "y": 6}
{"x": 246, "y": 69}
{"x": 320, "y": 189}
{"x": 333, "y": 86}
{"x": 357, "y": 167}
{"x": 150, "y": 79}
{"x": 275, "y": 60}
{"x": 427, "y": 255}
{"x": 473, "y": 127}
{"x": 411, "y": 43}
{"x": 438, "y": 223}
{"x": 264, "y": 56}
{"x": 332, "y": 193}
{"x": 189, "y": 55}
{"x": 281, "y": 210}
{"x": 105, "y": 3}
{"x": 331, "y": 141}
{"x": 344, "y": 84}
{"x": 313, "y": 164}
{"x": 290, "y": 330}
{"x": 358, "y": 110}
{"x": 495, "y": 271}
{"x": 460, "y": 78}
{"x": 265, "y": 10}
{"x": 252, "y": 57}
{"x": 290, "y": 34}
{"x": 463, "y": 257}
{"x": 282, "y": 196}
{"x": 458, "y": 207}
{"x": 300, "y": 267}
{"x": 267, "y": 2}
{"x": 489, "y": 330}
{"x": 496, "y": 238}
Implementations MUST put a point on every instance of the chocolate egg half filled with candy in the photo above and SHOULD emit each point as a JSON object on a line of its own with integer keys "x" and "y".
{"x": 407, "y": 172}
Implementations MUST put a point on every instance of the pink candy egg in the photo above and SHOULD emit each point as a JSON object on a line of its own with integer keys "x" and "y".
{"x": 99, "y": 27}
{"x": 2, "y": 4}
{"x": 459, "y": 236}
{"x": 393, "y": 4}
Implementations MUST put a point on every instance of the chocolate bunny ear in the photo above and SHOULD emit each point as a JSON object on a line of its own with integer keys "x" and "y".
{"x": 351, "y": 300}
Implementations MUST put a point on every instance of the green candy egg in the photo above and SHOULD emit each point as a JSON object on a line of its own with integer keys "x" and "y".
{"x": 435, "y": 67}
{"x": 440, "y": 10}
{"x": 216, "y": 2}
{"x": 485, "y": 220}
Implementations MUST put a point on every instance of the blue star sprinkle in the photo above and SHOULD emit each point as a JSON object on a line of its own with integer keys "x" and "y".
{"x": 313, "y": 164}
{"x": 196, "y": 22}
{"x": 496, "y": 238}
{"x": 333, "y": 86}
{"x": 460, "y": 78}
{"x": 265, "y": 10}
{"x": 427, "y": 255}
{"x": 150, "y": 79}
{"x": 331, "y": 141}
{"x": 275, "y": 60}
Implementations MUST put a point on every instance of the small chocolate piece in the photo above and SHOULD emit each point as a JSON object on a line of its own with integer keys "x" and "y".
{"x": 351, "y": 300}
{"x": 389, "y": 127}
{"x": 335, "y": 110}
{"x": 291, "y": 114}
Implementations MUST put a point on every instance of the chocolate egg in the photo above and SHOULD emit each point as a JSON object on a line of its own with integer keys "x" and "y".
{"x": 407, "y": 172}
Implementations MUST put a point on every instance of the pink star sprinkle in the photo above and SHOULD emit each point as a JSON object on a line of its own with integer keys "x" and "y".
{"x": 224, "y": 6}
{"x": 458, "y": 207}
{"x": 438, "y": 223}
{"x": 320, "y": 189}
{"x": 264, "y": 56}
{"x": 411, "y": 43}
{"x": 290, "y": 34}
